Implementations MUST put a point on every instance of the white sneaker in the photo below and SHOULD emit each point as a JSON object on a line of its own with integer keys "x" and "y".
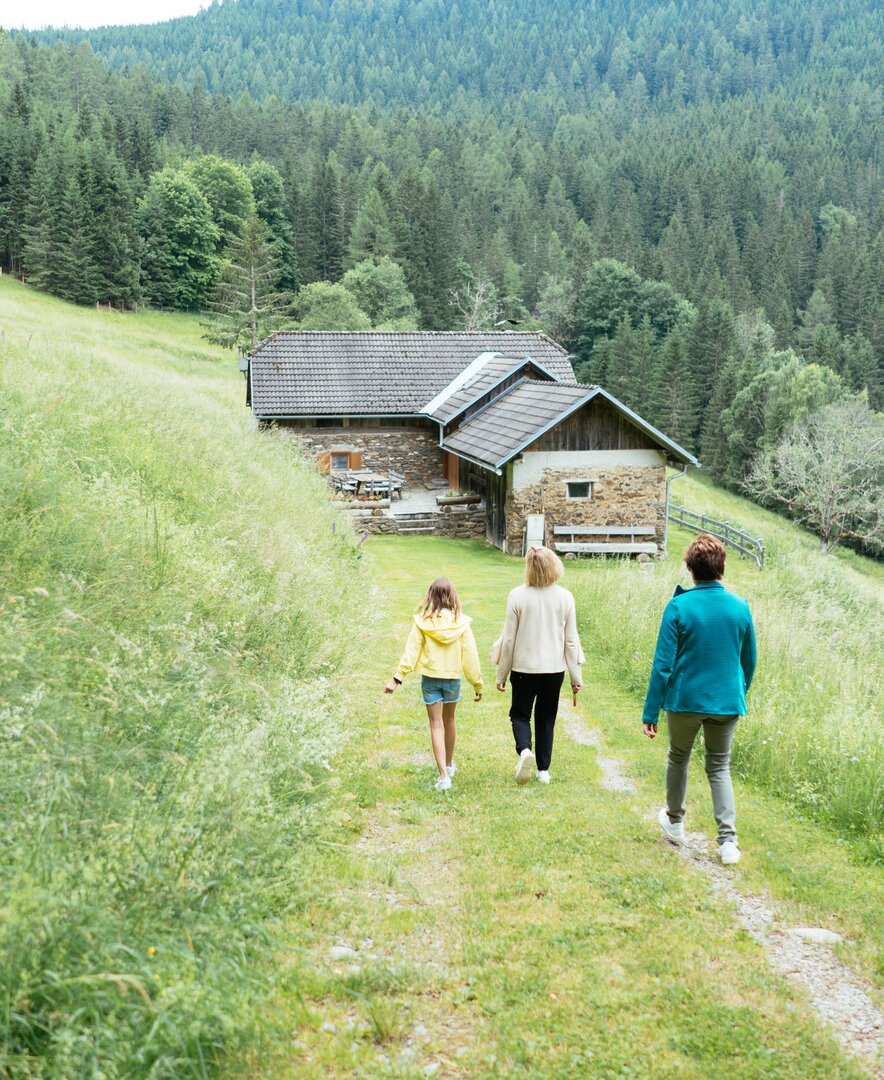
{"x": 525, "y": 767}
{"x": 543, "y": 776}
{"x": 729, "y": 853}
{"x": 451, "y": 769}
{"x": 443, "y": 783}
{"x": 675, "y": 831}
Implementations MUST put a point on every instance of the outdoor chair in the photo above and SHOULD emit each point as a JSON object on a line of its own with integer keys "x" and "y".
{"x": 343, "y": 484}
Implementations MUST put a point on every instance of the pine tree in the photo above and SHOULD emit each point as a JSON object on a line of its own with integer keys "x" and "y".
{"x": 412, "y": 242}
{"x": 713, "y": 437}
{"x": 325, "y": 226}
{"x": 78, "y": 277}
{"x": 115, "y": 247}
{"x": 817, "y": 313}
{"x": 676, "y": 409}
{"x": 861, "y": 370}
{"x": 643, "y": 374}
{"x": 620, "y": 361}
{"x": 371, "y": 236}
{"x": 246, "y": 305}
{"x": 674, "y": 253}
{"x": 711, "y": 340}
{"x": 41, "y": 228}
{"x": 826, "y": 348}
{"x": 441, "y": 239}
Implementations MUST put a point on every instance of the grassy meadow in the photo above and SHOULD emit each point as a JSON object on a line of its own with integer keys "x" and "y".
{"x": 176, "y": 599}
{"x": 205, "y": 793}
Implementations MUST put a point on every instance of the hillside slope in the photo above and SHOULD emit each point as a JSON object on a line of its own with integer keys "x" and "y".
{"x": 430, "y": 54}
{"x": 167, "y": 707}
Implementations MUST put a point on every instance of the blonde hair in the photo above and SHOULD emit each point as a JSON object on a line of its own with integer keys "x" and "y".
{"x": 440, "y": 595}
{"x": 542, "y": 567}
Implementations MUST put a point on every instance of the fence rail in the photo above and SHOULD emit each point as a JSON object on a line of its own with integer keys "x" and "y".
{"x": 747, "y": 545}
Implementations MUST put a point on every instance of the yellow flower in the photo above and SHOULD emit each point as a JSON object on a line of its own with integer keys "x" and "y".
{"x": 151, "y": 951}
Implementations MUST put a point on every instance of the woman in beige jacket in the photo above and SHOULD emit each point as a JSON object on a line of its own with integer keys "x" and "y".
{"x": 539, "y": 643}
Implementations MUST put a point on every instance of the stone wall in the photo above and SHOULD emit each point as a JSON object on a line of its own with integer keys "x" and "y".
{"x": 463, "y": 522}
{"x": 413, "y": 451}
{"x": 621, "y": 495}
{"x": 466, "y": 522}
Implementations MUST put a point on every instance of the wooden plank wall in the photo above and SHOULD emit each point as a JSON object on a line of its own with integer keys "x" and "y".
{"x": 597, "y": 426}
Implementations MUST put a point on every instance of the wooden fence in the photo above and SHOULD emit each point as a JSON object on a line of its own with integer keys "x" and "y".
{"x": 747, "y": 545}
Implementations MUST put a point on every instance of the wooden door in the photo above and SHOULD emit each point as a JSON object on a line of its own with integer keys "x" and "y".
{"x": 495, "y": 506}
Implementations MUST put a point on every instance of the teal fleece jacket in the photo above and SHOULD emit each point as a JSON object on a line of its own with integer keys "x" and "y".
{"x": 705, "y": 655}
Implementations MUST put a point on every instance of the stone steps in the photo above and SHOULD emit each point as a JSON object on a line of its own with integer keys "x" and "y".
{"x": 413, "y": 524}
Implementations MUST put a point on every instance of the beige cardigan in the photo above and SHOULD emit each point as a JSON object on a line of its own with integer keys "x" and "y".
{"x": 540, "y": 634}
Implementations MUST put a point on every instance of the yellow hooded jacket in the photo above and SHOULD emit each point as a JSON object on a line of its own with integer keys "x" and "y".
{"x": 441, "y": 646}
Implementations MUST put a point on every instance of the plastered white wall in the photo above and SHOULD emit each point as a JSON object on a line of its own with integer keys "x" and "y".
{"x": 529, "y": 470}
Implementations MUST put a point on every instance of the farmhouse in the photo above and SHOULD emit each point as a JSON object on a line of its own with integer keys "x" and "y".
{"x": 496, "y": 413}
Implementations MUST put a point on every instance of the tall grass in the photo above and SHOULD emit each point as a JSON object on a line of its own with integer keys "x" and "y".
{"x": 174, "y": 598}
{"x": 813, "y": 731}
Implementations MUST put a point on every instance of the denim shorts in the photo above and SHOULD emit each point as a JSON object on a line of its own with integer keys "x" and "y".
{"x": 446, "y": 690}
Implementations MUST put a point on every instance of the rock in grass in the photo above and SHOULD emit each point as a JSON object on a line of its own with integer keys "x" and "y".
{"x": 817, "y": 934}
{"x": 341, "y": 952}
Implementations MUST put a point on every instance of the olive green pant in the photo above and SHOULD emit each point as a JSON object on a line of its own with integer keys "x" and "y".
{"x": 718, "y": 734}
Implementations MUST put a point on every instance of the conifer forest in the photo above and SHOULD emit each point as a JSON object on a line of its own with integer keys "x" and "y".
{"x": 688, "y": 196}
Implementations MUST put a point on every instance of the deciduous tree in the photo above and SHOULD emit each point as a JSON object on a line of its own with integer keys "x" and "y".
{"x": 828, "y": 473}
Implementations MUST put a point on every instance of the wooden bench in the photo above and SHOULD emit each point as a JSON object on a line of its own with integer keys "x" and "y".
{"x": 397, "y": 483}
{"x": 609, "y": 546}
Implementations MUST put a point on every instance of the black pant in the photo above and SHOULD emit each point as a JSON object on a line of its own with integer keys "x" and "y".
{"x": 540, "y": 693}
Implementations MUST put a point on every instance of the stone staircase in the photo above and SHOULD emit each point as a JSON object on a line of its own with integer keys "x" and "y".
{"x": 414, "y": 524}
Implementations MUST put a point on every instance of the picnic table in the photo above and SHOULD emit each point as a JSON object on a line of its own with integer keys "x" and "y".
{"x": 369, "y": 481}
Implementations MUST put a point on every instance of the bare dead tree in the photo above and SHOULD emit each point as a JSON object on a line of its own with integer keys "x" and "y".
{"x": 477, "y": 303}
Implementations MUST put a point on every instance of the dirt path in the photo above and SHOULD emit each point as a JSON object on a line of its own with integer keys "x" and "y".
{"x": 404, "y": 873}
{"x": 801, "y": 954}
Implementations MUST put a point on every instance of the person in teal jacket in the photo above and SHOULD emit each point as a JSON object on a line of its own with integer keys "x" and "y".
{"x": 703, "y": 668}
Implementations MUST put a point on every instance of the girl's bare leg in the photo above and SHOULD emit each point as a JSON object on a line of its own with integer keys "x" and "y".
{"x": 450, "y": 730}
{"x": 437, "y": 736}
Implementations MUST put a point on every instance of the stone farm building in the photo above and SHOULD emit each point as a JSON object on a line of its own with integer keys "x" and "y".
{"x": 498, "y": 413}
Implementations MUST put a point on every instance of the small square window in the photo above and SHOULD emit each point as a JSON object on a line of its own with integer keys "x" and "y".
{"x": 579, "y": 489}
{"x": 340, "y": 462}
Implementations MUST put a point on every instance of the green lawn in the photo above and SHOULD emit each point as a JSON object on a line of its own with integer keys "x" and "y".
{"x": 542, "y": 932}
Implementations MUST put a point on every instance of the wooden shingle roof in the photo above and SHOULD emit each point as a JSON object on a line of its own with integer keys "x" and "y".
{"x": 512, "y": 422}
{"x": 376, "y": 373}
{"x": 497, "y": 433}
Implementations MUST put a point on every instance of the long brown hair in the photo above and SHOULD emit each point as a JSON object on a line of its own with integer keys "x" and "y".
{"x": 440, "y": 595}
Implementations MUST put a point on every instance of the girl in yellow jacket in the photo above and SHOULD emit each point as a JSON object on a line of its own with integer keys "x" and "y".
{"x": 442, "y": 648}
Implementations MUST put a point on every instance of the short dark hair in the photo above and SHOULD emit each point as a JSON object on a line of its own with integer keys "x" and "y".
{"x": 705, "y": 558}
